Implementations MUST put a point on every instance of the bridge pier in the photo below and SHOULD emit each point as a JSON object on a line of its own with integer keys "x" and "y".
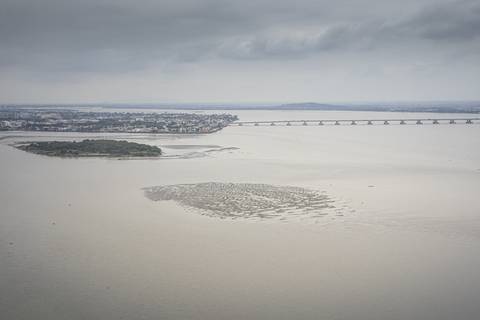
{"x": 418, "y": 121}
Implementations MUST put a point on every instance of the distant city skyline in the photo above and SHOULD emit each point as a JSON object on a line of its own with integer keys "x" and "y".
{"x": 225, "y": 51}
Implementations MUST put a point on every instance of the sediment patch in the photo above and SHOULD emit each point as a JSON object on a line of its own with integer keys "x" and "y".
{"x": 248, "y": 200}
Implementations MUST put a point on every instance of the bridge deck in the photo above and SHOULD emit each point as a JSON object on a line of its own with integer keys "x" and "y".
{"x": 464, "y": 120}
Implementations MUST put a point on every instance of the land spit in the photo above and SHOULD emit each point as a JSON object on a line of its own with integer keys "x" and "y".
{"x": 247, "y": 200}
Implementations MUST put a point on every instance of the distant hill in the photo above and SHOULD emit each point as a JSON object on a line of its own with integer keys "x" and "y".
{"x": 440, "y": 107}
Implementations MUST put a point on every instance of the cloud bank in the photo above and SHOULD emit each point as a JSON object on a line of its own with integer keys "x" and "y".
{"x": 223, "y": 50}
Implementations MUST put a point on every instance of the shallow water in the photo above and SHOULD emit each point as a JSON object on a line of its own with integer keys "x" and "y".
{"x": 79, "y": 240}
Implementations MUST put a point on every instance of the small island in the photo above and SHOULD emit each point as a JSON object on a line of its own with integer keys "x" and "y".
{"x": 91, "y": 148}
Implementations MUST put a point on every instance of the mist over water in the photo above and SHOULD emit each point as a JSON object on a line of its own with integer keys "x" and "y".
{"x": 79, "y": 239}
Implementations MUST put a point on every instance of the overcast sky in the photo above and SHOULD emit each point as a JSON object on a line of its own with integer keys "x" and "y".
{"x": 65, "y": 51}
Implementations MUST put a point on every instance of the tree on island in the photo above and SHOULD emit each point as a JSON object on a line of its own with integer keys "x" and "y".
{"x": 89, "y": 147}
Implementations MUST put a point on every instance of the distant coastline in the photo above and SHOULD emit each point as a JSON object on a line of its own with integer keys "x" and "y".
{"x": 72, "y": 120}
{"x": 428, "y": 107}
{"x": 465, "y": 107}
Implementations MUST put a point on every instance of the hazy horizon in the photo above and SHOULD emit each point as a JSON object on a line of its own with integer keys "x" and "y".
{"x": 241, "y": 103}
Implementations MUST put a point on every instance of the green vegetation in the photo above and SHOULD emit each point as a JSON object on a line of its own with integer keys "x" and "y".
{"x": 92, "y": 148}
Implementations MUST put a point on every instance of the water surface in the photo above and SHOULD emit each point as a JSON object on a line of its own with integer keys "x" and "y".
{"x": 79, "y": 240}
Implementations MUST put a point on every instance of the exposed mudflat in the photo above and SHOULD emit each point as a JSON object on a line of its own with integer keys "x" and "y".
{"x": 247, "y": 200}
{"x": 191, "y": 146}
{"x": 194, "y": 151}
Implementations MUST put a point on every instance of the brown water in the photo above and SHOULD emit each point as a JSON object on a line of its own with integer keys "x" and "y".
{"x": 79, "y": 240}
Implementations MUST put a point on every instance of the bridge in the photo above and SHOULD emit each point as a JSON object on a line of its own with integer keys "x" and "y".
{"x": 353, "y": 122}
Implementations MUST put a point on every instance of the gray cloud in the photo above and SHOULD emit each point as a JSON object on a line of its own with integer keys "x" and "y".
{"x": 453, "y": 22}
{"x": 437, "y": 24}
{"x": 119, "y": 33}
{"x": 102, "y": 37}
{"x": 297, "y": 46}
{"x": 66, "y": 33}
